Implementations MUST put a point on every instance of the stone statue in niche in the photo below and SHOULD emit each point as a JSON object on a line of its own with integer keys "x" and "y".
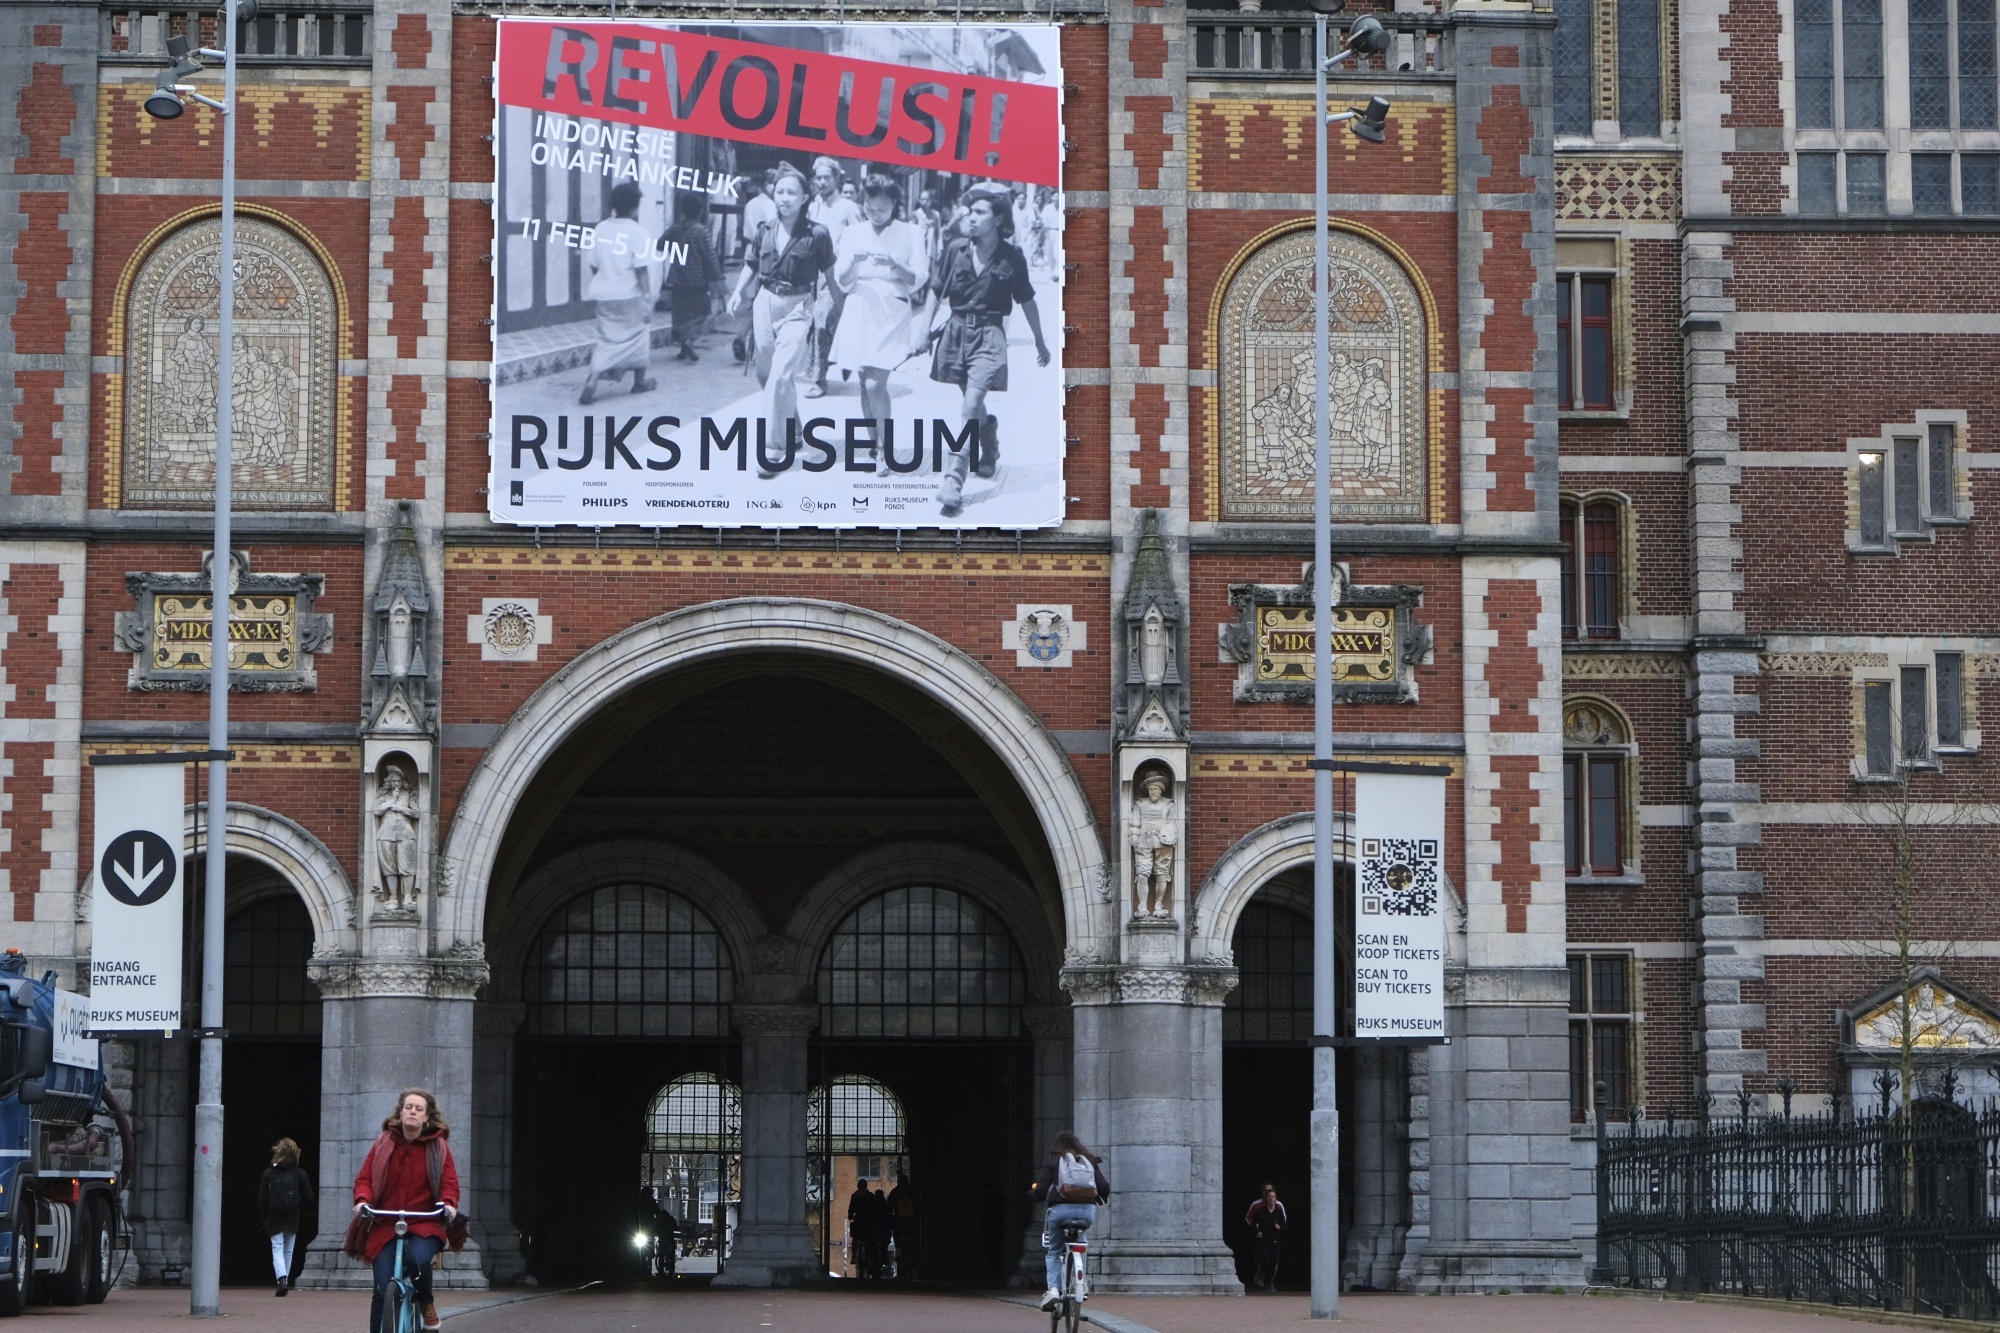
{"x": 397, "y": 817}
{"x": 1153, "y": 829}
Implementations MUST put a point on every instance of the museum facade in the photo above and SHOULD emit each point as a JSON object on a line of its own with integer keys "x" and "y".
{"x": 755, "y": 864}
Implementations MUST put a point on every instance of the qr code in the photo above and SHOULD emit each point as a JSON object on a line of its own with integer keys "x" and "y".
{"x": 1399, "y": 876}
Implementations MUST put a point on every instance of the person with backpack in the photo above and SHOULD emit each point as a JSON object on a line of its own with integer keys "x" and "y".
{"x": 1072, "y": 1184}
{"x": 1266, "y": 1220}
{"x": 283, "y": 1195}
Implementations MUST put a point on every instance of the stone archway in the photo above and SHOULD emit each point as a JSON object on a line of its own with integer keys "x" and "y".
{"x": 922, "y": 662}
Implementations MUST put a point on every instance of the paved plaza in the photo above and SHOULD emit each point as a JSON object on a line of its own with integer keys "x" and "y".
{"x": 601, "y": 1309}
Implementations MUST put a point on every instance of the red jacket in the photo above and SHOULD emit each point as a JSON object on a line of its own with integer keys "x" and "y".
{"x": 400, "y": 1175}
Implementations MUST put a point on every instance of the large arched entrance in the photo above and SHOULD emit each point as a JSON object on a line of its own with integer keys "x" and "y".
{"x": 774, "y": 791}
{"x": 922, "y": 994}
{"x": 271, "y": 1062}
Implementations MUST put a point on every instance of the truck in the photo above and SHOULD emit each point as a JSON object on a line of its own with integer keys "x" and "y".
{"x": 59, "y": 1124}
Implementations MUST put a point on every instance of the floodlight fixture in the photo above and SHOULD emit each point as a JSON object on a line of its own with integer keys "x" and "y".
{"x": 1367, "y": 36}
{"x": 1328, "y": 6}
{"x": 164, "y": 102}
{"x": 1369, "y": 121}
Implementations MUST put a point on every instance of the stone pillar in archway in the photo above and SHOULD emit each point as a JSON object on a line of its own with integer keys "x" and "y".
{"x": 1148, "y": 1077}
{"x": 495, "y": 1026}
{"x": 1055, "y": 1102}
{"x": 390, "y": 1024}
{"x": 1373, "y": 1245}
{"x": 773, "y": 1248}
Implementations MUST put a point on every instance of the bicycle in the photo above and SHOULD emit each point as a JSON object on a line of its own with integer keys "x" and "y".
{"x": 1075, "y": 1289}
{"x": 399, "y": 1299}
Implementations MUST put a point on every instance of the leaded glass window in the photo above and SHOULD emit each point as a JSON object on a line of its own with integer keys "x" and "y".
{"x": 921, "y": 962}
{"x": 1979, "y": 183}
{"x": 265, "y": 990}
{"x": 1978, "y": 73}
{"x": 1867, "y": 190}
{"x": 1813, "y": 47}
{"x": 1943, "y": 469}
{"x": 1819, "y": 184}
{"x": 1639, "y": 68}
{"x": 1930, "y": 64}
{"x": 1274, "y": 975}
{"x": 1930, "y": 184}
{"x": 1573, "y": 56}
{"x": 1860, "y": 67}
{"x": 628, "y": 960}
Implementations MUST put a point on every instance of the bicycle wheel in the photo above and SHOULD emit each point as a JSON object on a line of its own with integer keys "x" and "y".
{"x": 399, "y": 1308}
{"x": 1072, "y": 1314}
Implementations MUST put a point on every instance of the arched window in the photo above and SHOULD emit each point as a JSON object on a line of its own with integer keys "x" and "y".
{"x": 1593, "y": 586}
{"x": 286, "y": 360}
{"x": 694, "y": 1142}
{"x": 265, "y": 990}
{"x": 1600, "y": 812}
{"x": 1379, "y": 386}
{"x": 696, "y": 1113}
{"x": 854, "y": 1116}
{"x": 628, "y": 960}
{"x": 921, "y": 962}
{"x": 1274, "y": 970}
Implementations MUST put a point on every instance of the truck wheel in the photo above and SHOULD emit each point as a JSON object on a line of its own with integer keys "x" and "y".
{"x": 97, "y": 1237}
{"x": 71, "y": 1284}
{"x": 14, "y": 1287}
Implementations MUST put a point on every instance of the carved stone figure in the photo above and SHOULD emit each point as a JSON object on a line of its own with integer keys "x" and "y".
{"x": 396, "y": 845}
{"x": 1153, "y": 829}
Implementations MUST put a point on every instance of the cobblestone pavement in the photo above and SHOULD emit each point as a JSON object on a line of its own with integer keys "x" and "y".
{"x": 622, "y": 1309}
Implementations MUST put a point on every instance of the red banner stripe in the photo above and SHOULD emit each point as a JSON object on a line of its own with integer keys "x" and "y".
{"x": 806, "y": 101}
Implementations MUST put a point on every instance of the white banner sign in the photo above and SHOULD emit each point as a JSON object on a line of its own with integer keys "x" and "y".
{"x": 135, "y": 924}
{"x": 1399, "y": 908}
{"x": 777, "y": 275}
{"x": 72, "y": 1046}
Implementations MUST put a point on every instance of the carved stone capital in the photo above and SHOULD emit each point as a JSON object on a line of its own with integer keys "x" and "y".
{"x": 456, "y": 974}
{"x": 774, "y": 1020}
{"x": 1088, "y": 985}
{"x": 1148, "y": 985}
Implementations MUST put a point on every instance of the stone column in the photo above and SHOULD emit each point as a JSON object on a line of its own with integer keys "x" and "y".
{"x": 1051, "y": 1027}
{"x": 490, "y": 1198}
{"x": 1374, "y": 1241}
{"x": 1149, "y": 1099}
{"x": 391, "y": 1024}
{"x": 773, "y": 1248}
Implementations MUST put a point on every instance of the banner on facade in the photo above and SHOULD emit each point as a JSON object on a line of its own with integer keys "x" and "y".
{"x": 777, "y": 275}
{"x": 1398, "y": 906}
{"x": 135, "y": 906}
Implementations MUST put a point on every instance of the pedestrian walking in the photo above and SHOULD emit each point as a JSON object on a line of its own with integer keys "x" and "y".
{"x": 984, "y": 276}
{"x": 1266, "y": 1220}
{"x": 785, "y": 267}
{"x": 284, "y": 1195}
{"x": 693, "y": 278}
{"x": 409, "y": 1169}
{"x": 1071, "y": 1182}
{"x": 835, "y": 208}
{"x": 880, "y": 263}
{"x": 903, "y": 1223}
{"x": 621, "y": 282}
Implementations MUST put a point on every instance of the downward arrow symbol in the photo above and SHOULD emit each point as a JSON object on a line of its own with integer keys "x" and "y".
{"x": 138, "y": 879}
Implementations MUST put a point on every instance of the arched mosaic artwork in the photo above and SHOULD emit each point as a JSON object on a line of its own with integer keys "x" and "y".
{"x": 282, "y": 403}
{"x": 1377, "y": 351}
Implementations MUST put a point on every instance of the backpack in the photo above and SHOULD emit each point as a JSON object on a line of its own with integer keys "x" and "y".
{"x": 1076, "y": 1179}
{"x": 284, "y": 1192}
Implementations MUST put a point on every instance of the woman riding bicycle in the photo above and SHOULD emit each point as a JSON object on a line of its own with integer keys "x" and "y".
{"x": 409, "y": 1169}
{"x": 1060, "y": 1184}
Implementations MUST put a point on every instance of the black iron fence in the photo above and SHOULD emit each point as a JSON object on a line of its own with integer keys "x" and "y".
{"x": 1864, "y": 1206}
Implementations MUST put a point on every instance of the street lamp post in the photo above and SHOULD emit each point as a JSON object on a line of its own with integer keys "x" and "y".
{"x": 1366, "y": 36}
{"x": 166, "y": 103}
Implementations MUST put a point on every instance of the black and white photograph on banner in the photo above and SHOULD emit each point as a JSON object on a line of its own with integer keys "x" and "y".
{"x": 778, "y": 275}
